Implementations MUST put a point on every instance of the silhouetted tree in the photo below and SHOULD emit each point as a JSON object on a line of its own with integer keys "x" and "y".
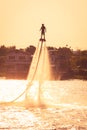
{"x": 30, "y": 49}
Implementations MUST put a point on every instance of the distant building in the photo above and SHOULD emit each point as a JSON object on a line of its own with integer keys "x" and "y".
{"x": 17, "y": 64}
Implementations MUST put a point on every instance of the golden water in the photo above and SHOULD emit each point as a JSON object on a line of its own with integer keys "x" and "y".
{"x": 66, "y": 100}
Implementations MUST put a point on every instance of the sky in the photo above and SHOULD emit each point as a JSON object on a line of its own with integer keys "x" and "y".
{"x": 65, "y": 21}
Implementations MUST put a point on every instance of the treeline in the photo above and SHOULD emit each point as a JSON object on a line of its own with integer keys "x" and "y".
{"x": 70, "y": 64}
{"x": 66, "y": 63}
{"x": 5, "y": 50}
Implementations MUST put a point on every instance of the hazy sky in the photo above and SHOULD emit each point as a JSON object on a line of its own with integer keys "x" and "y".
{"x": 65, "y": 20}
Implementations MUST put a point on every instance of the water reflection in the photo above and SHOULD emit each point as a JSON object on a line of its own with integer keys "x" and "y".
{"x": 66, "y": 106}
{"x": 41, "y": 119}
{"x": 52, "y": 92}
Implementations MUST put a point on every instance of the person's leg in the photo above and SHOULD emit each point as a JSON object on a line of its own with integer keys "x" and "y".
{"x": 44, "y": 36}
{"x": 41, "y": 35}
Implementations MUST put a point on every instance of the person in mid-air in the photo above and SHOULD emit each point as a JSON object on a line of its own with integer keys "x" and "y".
{"x": 43, "y": 30}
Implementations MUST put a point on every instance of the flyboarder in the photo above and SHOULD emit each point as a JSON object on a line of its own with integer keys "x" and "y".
{"x": 43, "y": 30}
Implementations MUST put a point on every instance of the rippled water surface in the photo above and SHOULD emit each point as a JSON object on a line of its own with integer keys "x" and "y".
{"x": 65, "y": 106}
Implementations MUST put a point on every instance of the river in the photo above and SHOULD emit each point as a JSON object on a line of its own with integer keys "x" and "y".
{"x": 65, "y": 106}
